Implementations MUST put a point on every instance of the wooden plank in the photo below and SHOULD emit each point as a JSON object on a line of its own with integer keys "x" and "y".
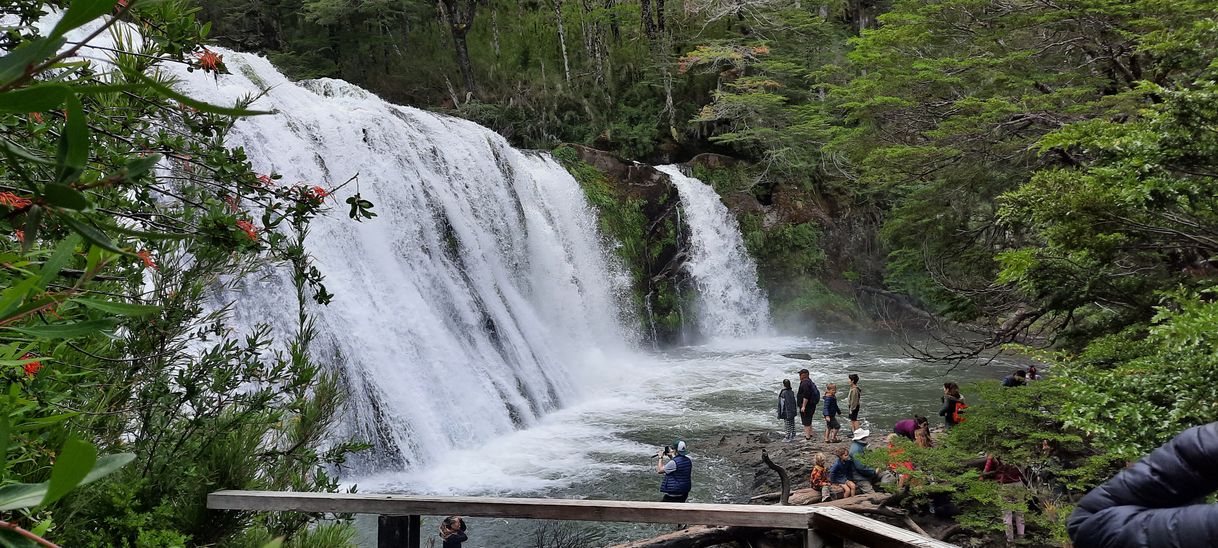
{"x": 869, "y": 532}
{"x": 778, "y": 517}
{"x": 828, "y": 522}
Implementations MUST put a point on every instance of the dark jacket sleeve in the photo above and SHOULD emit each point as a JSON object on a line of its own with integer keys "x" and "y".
{"x": 1158, "y": 501}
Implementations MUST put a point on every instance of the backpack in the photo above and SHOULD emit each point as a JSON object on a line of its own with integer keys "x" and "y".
{"x": 957, "y": 416}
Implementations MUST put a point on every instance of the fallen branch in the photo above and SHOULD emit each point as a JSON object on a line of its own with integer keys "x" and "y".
{"x": 782, "y": 476}
{"x": 697, "y": 536}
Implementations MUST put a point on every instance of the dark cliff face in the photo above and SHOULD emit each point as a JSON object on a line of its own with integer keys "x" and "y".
{"x": 811, "y": 251}
{"x": 640, "y": 211}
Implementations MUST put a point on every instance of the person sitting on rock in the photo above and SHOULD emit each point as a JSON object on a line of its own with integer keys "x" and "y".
{"x": 842, "y": 471}
{"x": 1018, "y": 378}
{"x": 819, "y": 478}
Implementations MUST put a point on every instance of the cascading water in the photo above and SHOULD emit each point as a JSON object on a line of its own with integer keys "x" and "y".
{"x": 729, "y": 302}
{"x": 467, "y": 308}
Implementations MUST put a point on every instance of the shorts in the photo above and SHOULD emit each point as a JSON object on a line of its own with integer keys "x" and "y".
{"x": 806, "y": 418}
{"x": 854, "y": 414}
{"x": 833, "y": 424}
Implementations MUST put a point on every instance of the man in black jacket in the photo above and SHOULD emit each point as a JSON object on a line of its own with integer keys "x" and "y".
{"x": 1159, "y": 501}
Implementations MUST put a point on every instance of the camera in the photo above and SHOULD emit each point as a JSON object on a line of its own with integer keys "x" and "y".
{"x": 666, "y": 452}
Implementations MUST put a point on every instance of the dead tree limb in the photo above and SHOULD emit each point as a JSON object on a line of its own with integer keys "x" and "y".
{"x": 782, "y": 475}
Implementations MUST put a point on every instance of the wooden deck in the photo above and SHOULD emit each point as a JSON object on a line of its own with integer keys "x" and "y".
{"x": 824, "y": 526}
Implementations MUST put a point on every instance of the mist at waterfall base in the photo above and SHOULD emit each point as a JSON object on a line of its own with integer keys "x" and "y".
{"x": 479, "y": 323}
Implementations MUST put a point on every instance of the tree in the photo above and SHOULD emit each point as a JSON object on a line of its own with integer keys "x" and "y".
{"x": 459, "y": 14}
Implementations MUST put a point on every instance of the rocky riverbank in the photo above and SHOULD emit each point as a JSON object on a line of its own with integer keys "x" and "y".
{"x": 744, "y": 450}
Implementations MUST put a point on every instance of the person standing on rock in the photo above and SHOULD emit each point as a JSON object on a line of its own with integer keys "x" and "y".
{"x": 832, "y": 426}
{"x": 853, "y": 401}
{"x": 953, "y": 405}
{"x": 786, "y": 408}
{"x": 807, "y": 397}
{"x": 677, "y": 472}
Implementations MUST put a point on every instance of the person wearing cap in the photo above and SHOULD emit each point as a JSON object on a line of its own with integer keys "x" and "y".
{"x": 862, "y": 475}
{"x": 807, "y": 397}
{"x": 677, "y": 472}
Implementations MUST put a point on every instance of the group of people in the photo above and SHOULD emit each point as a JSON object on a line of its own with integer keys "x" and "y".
{"x": 803, "y": 403}
{"x": 674, "y": 464}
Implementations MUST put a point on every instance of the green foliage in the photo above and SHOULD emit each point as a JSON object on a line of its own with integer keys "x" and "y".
{"x": 1021, "y": 427}
{"x": 108, "y": 328}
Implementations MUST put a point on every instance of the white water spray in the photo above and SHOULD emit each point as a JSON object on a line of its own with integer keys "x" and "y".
{"x": 472, "y": 303}
{"x": 729, "y": 302}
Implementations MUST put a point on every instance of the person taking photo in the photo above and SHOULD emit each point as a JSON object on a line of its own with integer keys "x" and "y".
{"x": 677, "y": 472}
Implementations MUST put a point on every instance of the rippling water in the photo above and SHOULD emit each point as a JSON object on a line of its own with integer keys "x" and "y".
{"x": 601, "y": 447}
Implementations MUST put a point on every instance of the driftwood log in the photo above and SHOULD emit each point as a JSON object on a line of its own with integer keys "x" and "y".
{"x": 782, "y": 476}
{"x": 696, "y": 536}
{"x": 704, "y": 535}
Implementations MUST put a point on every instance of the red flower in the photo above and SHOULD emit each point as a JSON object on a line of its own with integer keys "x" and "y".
{"x": 232, "y": 202}
{"x": 31, "y": 367}
{"x": 20, "y": 234}
{"x": 249, "y": 229}
{"x": 12, "y": 200}
{"x": 320, "y": 192}
{"x": 146, "y": 256}
{"x": 210, "y": 61}
{"x": 266, "y": 180}
{"x": 36, "y": 117}
{"x": 120, "y": 6}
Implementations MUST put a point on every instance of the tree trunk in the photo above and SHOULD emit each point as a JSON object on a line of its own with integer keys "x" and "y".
{"x": 613, "y": 26}
{"x": 460, "y": 16}
{"x": 495, "y": 30}
{"x": 562, "y": 41}
{"x": 660, "y": 15}
{"x": 649, "y": 28}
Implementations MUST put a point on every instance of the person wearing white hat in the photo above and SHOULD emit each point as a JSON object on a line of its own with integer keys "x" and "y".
{"x": 677, "y": 472}
{"x": 863, "y": 475}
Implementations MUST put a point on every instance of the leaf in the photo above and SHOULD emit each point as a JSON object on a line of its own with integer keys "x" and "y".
{"x": 150, "y": 235}
{"x": 107, "y": 465}
{"x": 95, "y": 236}
{"x": 68, "y": 330}
{"x": 37, "y": 98}
{"x": 21, "y": 495}
{"x": 200, "y": 105}
{"x": 65, "y": 196}
{"x": 59, "y": 259}
{"x": 117, "y": 308}
{"x": 28, "y": 495}
{"x": 14, "y": 65}
{"x": 74, "y": 462}
{"x": 81, "y": 12}
{"x": 33, "y": 221}
{"x": 20, "y": 152}
{"x": 140, "y": 165}
{"x": 5, "y": 427}
{"x": 74, "y": 143}
{"x": 12, "y": 297}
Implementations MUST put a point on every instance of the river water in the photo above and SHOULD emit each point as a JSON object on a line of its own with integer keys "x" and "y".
{"x": 601, "y": 447}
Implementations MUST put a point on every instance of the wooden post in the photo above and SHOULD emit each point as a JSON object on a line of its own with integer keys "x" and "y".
{"x": 814, "y": 539}
{"x": 399, "y": 532}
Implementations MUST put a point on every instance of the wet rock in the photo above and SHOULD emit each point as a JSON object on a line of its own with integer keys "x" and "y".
{"x": 798, "y": 356}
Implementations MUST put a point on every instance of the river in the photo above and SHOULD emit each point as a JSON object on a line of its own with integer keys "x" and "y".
{"x": 601, "y": 447}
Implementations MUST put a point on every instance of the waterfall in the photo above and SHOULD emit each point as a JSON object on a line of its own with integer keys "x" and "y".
{"x": 475, "y": 300}
{"x": 729, "y": 302}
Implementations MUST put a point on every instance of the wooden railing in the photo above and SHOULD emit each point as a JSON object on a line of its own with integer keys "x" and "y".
{"x": 401, "y": 515}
